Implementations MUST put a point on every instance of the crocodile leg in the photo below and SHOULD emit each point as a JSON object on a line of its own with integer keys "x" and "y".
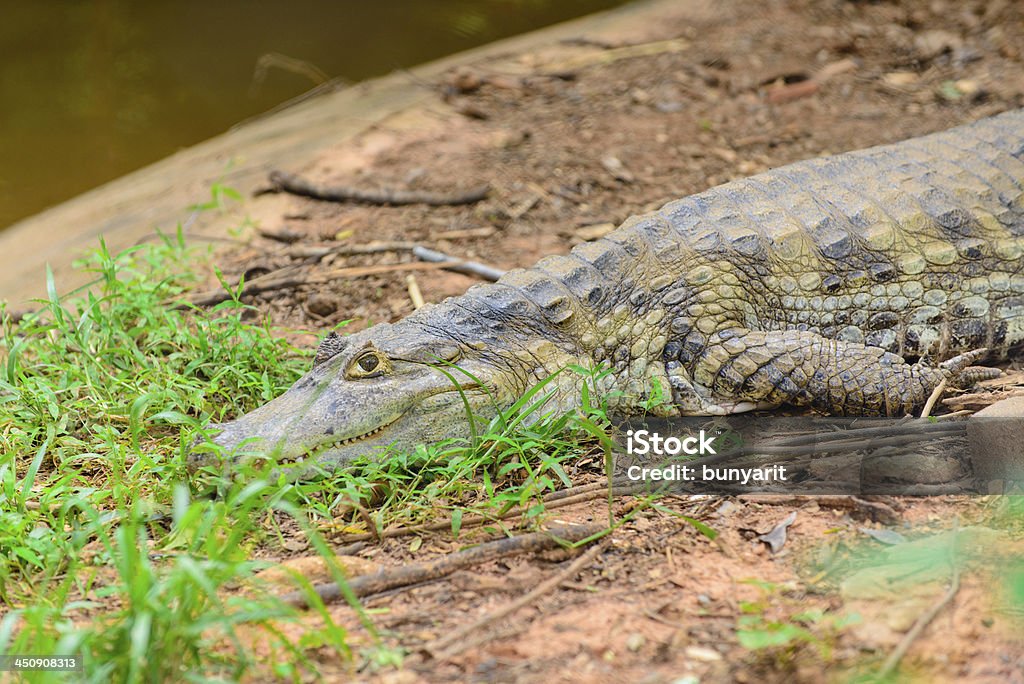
{"x": 752, "y": 368}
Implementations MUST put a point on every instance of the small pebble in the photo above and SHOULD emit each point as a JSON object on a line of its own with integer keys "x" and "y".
{"x": 702, "y": 654}
{"x": 321, "y": 305}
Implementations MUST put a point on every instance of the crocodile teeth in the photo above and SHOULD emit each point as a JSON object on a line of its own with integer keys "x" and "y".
{"x": 358, "y": 438}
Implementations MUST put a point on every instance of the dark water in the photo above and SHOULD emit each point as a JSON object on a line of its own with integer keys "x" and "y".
{"x": 90, "y": 90}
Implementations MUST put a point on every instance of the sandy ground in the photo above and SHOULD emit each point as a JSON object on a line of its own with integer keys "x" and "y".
{"x": 574, "y": 137}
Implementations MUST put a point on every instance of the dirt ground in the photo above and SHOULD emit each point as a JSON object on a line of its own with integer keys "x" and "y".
{"x": 573, "y": 138}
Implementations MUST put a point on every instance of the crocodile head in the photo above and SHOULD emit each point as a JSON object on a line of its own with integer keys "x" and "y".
{"x": 394, "y": 386}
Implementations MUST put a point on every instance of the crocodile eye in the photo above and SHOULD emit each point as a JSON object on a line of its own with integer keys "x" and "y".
{"x": 369, "y": 364}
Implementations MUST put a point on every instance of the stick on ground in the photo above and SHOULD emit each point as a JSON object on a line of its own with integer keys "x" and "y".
{"x": 319, "y": 252}
{"x": 932, "y": 398}
{"x": 414, "y": 291}
{"x": 459, "y": 266}
{"x": 296, "y": 185}
{"x": 415, "y": 573}
{"x": 288, "y": 278}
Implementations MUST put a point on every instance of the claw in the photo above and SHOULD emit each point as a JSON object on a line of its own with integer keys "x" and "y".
{"x": 962, "y": 374}
{"x": 973, "y": 374}
{"x": 959, "y": 363}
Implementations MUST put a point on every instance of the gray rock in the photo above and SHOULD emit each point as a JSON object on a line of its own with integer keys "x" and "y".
{"x": 996, "y": 435}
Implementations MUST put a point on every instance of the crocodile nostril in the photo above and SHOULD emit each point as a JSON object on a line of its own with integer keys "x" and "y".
{"x": 197, "y": 458}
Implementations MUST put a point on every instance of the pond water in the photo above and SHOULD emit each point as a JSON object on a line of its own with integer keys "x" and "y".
{"x": 90, "y": 90}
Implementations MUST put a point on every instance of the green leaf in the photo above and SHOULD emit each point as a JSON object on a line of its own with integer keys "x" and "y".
{"x": 456, "y": 522}
{"x": 29, "y": 555}
{"x": 703, "y": 528}
{"x": 779, "y": 635}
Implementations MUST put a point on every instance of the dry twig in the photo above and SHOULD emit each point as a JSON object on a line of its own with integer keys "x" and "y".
{"x": 296, "y": 185}
{"x": 414, "y": 291}
{"x": 845, "y": 441}
{"x": 979, "y": 400}
{"x": 876, "y": 510}
{"x": 286, "y": 278}
{"x": 468, "y": 267}
{"x": 285, "y": 235}
{"x": 290, "y": 276}
{"x": 933, "y": 397}
{"x": 463, "y": 233}
{"x": 313, "y": 252}
{"x": 415, "y": 573}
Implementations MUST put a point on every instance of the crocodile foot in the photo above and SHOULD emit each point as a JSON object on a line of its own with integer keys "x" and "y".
{"x": 961, "y": 374}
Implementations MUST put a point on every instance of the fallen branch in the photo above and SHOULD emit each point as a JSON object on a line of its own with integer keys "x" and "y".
{"x": 979, "y": 400}
{"x": 285, "y": 235}
{"x": 834, "y": 446}
{"x": 950, "y": 416}
{"x": 296, "y": 185}
{"x": 893, "y": 429}
{"x": 462, "y": 233}
{"x": 577, "y": 490}
{"x": 414, "y": 573}
{"x": 456, "y": 642}
{"x": 267, "y": 283}
{"x": 415, "y": 296}
{"x": 310, "y": 252}
{"x": 289, "y": 277}
{"x": 933, "y": 397}
{"x": 965, "y": 485}
{"x": 507, "y": 633}
{"x": 786, "y": 92}
{"x": 420, "y": 252}
{"x": 459, "y": 266}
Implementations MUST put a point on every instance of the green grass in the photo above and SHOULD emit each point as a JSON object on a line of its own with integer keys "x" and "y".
{"x": 781, "y": 640}
{"x": 106, "y": 547}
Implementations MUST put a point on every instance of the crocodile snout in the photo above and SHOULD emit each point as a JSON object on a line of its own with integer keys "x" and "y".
{"x": 198, "y": 456}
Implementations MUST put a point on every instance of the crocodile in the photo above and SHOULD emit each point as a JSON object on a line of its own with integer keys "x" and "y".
{"x": 852, "y": 284}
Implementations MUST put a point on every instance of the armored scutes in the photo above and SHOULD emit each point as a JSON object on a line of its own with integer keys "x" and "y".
{"x": 853, "y": 284}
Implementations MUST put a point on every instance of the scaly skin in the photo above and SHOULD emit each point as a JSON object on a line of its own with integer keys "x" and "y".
{"x": 853, "y": 284}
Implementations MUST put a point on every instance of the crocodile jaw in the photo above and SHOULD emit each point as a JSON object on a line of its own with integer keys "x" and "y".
{"x": 325, "y": 421}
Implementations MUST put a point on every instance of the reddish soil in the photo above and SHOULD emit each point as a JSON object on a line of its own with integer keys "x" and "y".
{"x": 577, "y": 136}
